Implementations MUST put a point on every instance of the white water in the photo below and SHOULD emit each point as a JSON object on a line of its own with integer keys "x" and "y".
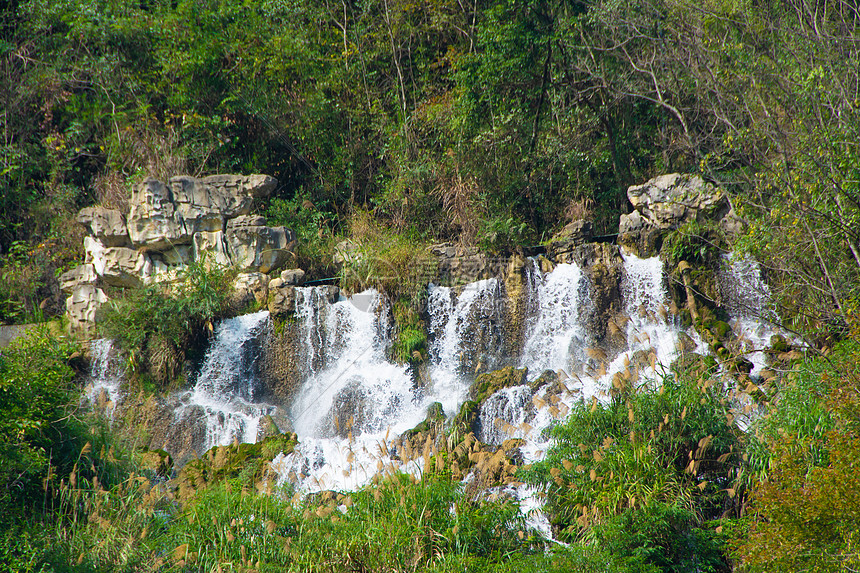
{"x": 227, "y": 387}
{"x": 747, "y": 298}
{"x": 455, "y": 324}
{"x": 106, "y": 376}
{"x": 354, "y": 402}
{"x": 556, "y": 337}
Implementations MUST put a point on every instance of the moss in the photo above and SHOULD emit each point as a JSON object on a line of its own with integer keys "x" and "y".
{"x": 249, "y": 463}
{"x": 778, "y": 344}
{"x": 720, "y": 329}
{"x": 491, "y": 382}
{"x": 435, "y": 419}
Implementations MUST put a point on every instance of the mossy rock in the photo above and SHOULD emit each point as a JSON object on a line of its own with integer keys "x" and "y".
{"x": 465, "y": 420}
{"x": 248, "y": 462}
{"x": 435, "y": 420}
{"x": 720, "y": 329}
{"x": 778, "y": 344}
{"x": 695, "y": 365}
{"x": 489, "y": 383}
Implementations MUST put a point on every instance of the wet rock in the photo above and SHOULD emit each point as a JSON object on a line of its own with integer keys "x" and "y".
{"x": 489, "y": 383}
{"x": 281, "y": 299}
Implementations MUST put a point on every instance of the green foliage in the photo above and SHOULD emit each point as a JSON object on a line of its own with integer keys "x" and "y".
{"x": 502, "y": 235}
{"x": 664, "y": 537}
{"x": 38, "y": 438}
{"x": 645, "y": 450}
{"x": 699, "y": 244}
{"x": 313, "y": 226}
{"x": 395, "y": 264}
{"x": 160, "y": 325}
{"x": 410, "y": 341}
{"x": 804, "y": 512}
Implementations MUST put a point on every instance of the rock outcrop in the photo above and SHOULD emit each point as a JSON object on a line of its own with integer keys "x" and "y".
{"x": 171, "y": 225}
{"x": 665, "y": 203}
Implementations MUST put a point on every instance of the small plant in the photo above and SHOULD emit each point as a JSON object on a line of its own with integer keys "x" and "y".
{"x": 696, "y": 243}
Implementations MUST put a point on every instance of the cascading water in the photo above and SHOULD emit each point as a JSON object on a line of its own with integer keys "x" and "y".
{"x": 556, "y": 336}
{"x": 106, "y": 376}
{"x": 747, "y": 298}
{"x": 465, "y": 336}
{"x": 227, "y": 388}
{"x": 354, "y": 399}
{"x": 651, "y": 334}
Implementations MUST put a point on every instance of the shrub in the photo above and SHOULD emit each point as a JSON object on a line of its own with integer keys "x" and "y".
{"x": 161, "y": 325}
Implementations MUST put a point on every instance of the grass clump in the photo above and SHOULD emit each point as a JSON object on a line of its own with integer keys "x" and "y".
{"x": 162, "y": 325}
{"x": 656, "y": 462}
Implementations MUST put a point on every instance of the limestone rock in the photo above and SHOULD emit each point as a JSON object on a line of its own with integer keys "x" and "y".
{"x": 573, "y": 235}
{"x": 80, "y": 275}
{"x": 211, "y": 247}
{"x": 293, "y": 277}
{"x": 668, "y": 201}
{"x": 82, "y": 305}
{"x": 152, "y": 220}
{"x": 282, "y": 300}
{"x": 254, "y": 246}
{"x": 165, "y": 215}
{"x": 107, "y": 225}
{"x": 252, "y": 285}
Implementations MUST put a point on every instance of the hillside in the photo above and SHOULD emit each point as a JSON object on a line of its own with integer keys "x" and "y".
{"x": 411, "y": 142}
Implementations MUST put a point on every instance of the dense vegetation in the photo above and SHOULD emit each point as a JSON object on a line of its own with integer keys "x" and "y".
{"x": 397, "y": 123}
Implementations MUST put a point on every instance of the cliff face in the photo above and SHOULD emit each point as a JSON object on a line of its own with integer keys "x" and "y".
{"x": 170, "y": 225}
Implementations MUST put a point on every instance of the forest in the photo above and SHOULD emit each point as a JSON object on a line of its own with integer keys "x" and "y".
{"x": 489, "y": 124}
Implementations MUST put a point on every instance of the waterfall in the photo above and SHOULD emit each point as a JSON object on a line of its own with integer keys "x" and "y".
{"x": 747, "y": 298}
{"x": 227, "y": 389}
{"x": 555, "y": 335}
{"x": 106, "y": 376}
{"x": 651, "y": 333}
{"x": 465, "y": 337}
{"x": 353, "y": 400}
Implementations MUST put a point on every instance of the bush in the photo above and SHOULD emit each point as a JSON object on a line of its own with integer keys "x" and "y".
{"x": 646, "y": 450}
{"x": 161, "y": 325}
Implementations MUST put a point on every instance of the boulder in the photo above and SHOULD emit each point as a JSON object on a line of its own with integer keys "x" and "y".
{"x": 82, "y": 305}
{"x": 489, "y": 383}
{"x": 255, "y": 247}
{"x": 107, "y": 225}
{"x": 211, "y": 247}
{"x": 252, "y": 285}
{"x": 282, "y": 300}
{"x": 573, "y": 235}
{"x": 669, "y": 201}
{"x": 293, "y": 277}
{"x": 80, "y": 275}
{"x": 152, "y": 220}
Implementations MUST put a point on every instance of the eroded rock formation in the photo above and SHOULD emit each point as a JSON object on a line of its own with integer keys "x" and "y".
{"x": 171, "y": 225}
